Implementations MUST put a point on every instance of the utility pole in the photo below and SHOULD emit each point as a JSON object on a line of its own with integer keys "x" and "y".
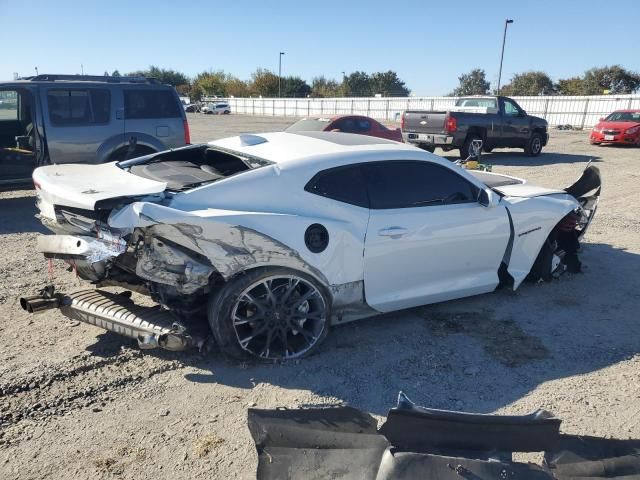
{"x": 504, "y": 37}
{"x": 280, "y": 74}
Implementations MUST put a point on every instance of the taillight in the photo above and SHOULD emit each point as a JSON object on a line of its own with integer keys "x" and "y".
{"x": 402, "y": 121}
{"x": 187, "y": 134}
{"x": 450, "y": 124}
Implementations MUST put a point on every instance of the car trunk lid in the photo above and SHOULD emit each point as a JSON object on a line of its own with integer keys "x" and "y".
{"x": 83, "y": 186}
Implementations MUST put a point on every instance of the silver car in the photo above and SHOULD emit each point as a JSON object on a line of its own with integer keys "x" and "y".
{"x": 52, "y": 119}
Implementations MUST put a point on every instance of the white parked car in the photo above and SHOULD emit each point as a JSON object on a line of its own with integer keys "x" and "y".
{"x": 222, "y": 108}
{"x": 278, "y": 236}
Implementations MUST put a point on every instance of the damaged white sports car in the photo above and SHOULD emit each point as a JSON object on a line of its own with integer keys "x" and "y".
{"x": 278, "y": 236}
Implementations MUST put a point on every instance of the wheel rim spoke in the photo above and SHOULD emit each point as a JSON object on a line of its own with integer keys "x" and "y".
{"x": 279, "y": 317}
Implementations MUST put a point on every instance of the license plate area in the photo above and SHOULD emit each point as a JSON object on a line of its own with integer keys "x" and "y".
{"x": 609, "y": 137}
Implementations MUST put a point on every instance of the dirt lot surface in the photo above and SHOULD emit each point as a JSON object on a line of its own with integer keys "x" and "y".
{"x": 76, "y": 402}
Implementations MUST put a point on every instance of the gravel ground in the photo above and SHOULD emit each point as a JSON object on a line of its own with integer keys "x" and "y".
{"x": 77, "y": 402}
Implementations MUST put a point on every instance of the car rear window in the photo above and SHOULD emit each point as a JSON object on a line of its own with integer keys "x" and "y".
{"x": 150, "y": 104}
{"x": 78, "y": 106}
{"x": 345, "y": 184}
{"x": 309, "y": 125}
{"x": 477, "y": 102}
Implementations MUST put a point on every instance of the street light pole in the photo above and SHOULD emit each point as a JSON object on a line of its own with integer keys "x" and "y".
{"x": 280, "y": 74}
{"x": 504, "y": 37}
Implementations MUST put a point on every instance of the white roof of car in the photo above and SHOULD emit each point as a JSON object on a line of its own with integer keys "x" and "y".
{"x": 285, "y": 147}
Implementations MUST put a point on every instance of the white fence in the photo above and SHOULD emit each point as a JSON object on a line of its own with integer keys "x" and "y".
{"x": 557, "y": 110}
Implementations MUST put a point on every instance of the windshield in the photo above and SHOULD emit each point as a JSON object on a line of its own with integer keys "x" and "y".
{"x": 624, "y": 117}
{"x": 309, "y": 125}
{"x": 477, "y": 102}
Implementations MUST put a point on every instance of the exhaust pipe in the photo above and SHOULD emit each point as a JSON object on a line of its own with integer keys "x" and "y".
{"x": 39, "y": 303}
{"x": 152, "y": 327}
{"x": 45, "y": 300}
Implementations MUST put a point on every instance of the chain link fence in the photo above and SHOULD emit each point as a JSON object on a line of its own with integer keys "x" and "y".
{"x": 579, "y": 112}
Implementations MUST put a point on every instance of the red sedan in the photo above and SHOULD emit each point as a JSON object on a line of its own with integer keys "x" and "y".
{"x": 621, "y": 127}
{"x": 347, "y": 124}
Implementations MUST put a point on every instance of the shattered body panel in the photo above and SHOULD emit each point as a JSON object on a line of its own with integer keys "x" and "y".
{"x": 420, "y": 443}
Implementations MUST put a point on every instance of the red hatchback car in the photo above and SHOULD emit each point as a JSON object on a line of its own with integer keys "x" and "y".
{"x": 346, "y": 124}
{"x": 621, "y": 127}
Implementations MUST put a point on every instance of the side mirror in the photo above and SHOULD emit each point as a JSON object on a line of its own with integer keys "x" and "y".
{"x": 488, "y": 198}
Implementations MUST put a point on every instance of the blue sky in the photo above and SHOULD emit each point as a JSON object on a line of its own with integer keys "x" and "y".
{"x": 428, "y": 43}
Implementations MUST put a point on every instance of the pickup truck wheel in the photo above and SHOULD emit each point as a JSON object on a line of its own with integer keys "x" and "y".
{"x": 534, "y": 145}
{"x": 428, "y": 148}
{"x": 466, "y": 150}
{"x": 487, "y": 149}
{"x": 270, "y": 314}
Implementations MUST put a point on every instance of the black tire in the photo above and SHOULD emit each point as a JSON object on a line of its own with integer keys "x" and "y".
{"x": 272, "y": 336}
{"x": 428, "y": 148}
{"x": 465, "y": 151}
{"x": 227, "y": 112}
{"x": 534, "y": 145}
{"x": 487, "y": 149}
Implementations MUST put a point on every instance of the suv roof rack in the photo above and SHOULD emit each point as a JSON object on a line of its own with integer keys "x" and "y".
{"x": 46, "y": 77}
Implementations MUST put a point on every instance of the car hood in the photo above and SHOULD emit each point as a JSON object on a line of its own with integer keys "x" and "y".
{"x": 617, "y": 125}
{"x": 81, "y": 186}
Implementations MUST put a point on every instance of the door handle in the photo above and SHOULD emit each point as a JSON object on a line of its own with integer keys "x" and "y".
{"x": 393, "y": 232}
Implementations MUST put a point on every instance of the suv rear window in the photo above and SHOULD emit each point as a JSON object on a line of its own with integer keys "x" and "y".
{"x": 150, "y": 104}
{"x": 78, "y": 106}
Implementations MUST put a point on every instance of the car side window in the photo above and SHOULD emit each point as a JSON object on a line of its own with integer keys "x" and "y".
{"x": 411, "y": 184}
{"x": 78, "y": 106}
{"x": 344, "y": 184}
{"x": 8, "y": 105}
{"x": 510, "y": 108}
{"x": 363, "y": 125}
{"x": 348, "y": 125}
{"x": 140, "y": 103}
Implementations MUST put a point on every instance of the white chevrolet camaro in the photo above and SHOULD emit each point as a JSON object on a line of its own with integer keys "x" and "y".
{"x": 278, "y": 236}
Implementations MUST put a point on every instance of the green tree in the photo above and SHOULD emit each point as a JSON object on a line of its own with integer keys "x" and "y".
{"x": 116, "y": 73}
{"x": 472, "y": 83}
{"x": 209, "y": 83}
{"x": 529, "y": 83}
{"x": 295, "y": 87}
{"x": 234, "y": 87}
{"x": 264, "y": 82}
{"x": 571, "y": 86}
{"x": 616, "y": 79}
{"x": 163, "y": 75}
{"x": 322, "y": 87}
{"x": 388, "y": 84}
{"x": 357, "y": 84}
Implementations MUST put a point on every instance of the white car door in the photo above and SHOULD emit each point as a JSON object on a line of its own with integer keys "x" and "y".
{"x": 428, "y": 238}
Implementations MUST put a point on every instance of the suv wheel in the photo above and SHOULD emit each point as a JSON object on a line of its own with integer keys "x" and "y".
{"x": 270, "y": 314}
{"x": 534, "y": 145}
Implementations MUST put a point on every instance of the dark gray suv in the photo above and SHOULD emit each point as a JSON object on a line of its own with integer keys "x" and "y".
{"x": 84, "y": 119}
